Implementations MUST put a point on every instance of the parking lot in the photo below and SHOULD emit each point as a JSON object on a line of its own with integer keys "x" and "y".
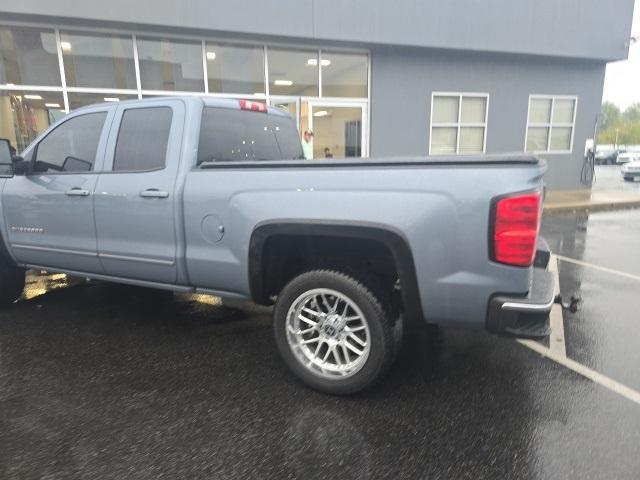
{"x": 104, "y": 381}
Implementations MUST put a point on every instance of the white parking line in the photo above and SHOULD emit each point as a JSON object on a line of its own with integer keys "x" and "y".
{"x": 592, "y": 375}
{"x": 598, "y": 267}
{"x": 557, "y": 349}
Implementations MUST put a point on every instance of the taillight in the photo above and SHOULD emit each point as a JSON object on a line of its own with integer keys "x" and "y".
{"x": 515, "y": 229}
{"x": 253, "y": 106}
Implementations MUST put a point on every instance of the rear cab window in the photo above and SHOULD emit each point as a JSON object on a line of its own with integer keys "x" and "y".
{"x": 229, "y": 135}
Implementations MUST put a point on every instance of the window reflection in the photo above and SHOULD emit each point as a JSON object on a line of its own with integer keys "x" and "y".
{"x": 344, "y": 74}
{"x": 235, "y": 68}
{"x": 98, "y": 61}
{"x": 28, "y": 56}
{"x": 293, "y": 72}
{"x": 170, "y": 65}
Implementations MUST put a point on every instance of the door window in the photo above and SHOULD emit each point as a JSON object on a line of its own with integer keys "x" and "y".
{"x": 143, "y": 139}
{"x": 72, "y": 146}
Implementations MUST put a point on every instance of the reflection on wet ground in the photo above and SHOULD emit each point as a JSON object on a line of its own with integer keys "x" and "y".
{"x": 39, "y": 283}
{"x": 109, "y": 381}
{"x": 603, "y": 334}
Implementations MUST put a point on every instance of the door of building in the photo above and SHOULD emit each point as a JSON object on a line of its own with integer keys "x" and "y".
{"x": 338, "y": 128}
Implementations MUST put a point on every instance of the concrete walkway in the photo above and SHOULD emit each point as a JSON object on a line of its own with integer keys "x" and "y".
{"x": 595, "y": 200}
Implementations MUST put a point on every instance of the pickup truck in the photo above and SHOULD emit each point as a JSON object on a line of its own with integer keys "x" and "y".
{"x": 213, "y": 196}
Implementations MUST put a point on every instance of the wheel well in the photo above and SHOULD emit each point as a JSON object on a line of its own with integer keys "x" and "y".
{"x": 380, "y": 258}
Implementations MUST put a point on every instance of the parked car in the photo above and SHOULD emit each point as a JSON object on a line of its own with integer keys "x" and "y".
{"x": 627, "y": 157}
{"x": 606, "y": 157}
{"x": 212, "y": 196}
{"x": 631, "y": 170}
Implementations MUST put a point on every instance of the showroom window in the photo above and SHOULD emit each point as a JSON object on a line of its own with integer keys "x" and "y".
{"x": 48, "y": 71}
{"x": 550, "y": 123}
{"x": 458, "y": 123}
{"x": 26, "y": 114}
{"x": 293, "y": 72}
{"x": 235, "y": 68}
{"x": 170, "y": 65}
{"x": 28, "y": 56}
{"x": 98, "y": 61}
{"x": 344, "y": 74}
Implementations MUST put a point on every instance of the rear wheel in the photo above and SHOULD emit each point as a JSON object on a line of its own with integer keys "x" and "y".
{"x": 333, "y": 332}
{"x": 11, "y": 283}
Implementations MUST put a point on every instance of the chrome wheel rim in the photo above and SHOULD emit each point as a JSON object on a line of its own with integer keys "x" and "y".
{"x": 328, "y": 333}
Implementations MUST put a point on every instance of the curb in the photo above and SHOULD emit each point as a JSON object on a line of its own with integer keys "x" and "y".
{"x": 591, "y": 207}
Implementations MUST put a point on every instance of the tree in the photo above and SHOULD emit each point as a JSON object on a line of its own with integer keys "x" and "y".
{"x": 632, "y": 113}
{"x": 609, "y": 116}
{"x": 628, "y": 133}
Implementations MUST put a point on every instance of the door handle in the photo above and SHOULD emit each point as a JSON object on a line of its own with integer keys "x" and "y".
{"x": 78, "y": 192}
{"x": 154, "y": 193}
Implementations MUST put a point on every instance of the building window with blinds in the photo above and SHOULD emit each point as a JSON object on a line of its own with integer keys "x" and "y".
{"x": 550, "y": 123}
{"x": 458, "y": 123}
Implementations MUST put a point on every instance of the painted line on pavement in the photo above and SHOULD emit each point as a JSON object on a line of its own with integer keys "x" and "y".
{"x": 598, "y": 267}
{"x": 556, "y": 319}
{"x": 586, "y": 372}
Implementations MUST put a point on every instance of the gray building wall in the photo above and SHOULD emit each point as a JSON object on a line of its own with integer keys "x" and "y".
{"x": 402, "y": 81}
{"x": 597, "y": 29}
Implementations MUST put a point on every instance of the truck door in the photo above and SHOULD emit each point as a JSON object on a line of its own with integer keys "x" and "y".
{"x": 135, "y": 202}
{"x": 49, "y": 212}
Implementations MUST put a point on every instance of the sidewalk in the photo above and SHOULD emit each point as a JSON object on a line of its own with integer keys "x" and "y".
{"x": 595, "y": 200}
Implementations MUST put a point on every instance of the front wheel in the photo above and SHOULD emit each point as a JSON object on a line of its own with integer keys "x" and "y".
{"x": 333, "y": 332}
{"x": 11, "y": 283}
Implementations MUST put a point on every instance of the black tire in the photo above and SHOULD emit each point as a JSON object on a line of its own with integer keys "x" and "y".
{"x": 382, "y": 348}
{"x": 11, "y": 283}
{"x": 628, "y": 179}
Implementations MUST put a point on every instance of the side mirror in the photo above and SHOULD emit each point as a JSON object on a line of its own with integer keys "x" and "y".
{"x": 6, "y": 161}
{"x": 21, "y": 166}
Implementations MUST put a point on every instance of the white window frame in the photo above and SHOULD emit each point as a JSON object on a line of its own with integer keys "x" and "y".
{"x": 459, "y": 123}
{"x": 550, "y": 125}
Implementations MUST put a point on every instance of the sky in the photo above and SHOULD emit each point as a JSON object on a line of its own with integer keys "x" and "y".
{"x": 622, "y": 80}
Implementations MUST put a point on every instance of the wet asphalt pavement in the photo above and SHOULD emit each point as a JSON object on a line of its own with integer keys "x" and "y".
{"x": 105, "y": 381}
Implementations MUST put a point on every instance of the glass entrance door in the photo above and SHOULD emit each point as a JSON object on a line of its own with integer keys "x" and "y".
{"x": 338, "y": 129}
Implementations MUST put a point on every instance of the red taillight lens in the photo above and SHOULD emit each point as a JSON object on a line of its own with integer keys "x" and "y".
{"x": 253, "y": 106}
{"x": 515, "y": 229}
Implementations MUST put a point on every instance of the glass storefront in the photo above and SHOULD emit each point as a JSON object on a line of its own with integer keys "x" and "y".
{"x": 25, "y": 114}
{"x": 235, "y": 68}
{"x": 170, "y": 65}
{"x": 29, "y": 57}
{"x": 46, "y": 72}
{"x": 98, "y": 61}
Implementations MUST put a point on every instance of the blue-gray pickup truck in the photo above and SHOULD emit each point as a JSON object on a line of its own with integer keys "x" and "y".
{"x": 214, "y": 196}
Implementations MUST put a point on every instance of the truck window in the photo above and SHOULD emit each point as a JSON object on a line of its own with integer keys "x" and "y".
{"x": 72, "y": 146}
{"x": 142, "y": 139}
{"x": 228, "y": 135}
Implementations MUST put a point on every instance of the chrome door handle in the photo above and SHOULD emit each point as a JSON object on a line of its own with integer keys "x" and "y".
{"x": 78, "y": 192}
{"x": 154, "y": 193}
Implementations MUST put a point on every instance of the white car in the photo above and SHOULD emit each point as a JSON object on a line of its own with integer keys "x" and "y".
{"x": 627, "y": 157}
{"x": 631, "y": 170}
